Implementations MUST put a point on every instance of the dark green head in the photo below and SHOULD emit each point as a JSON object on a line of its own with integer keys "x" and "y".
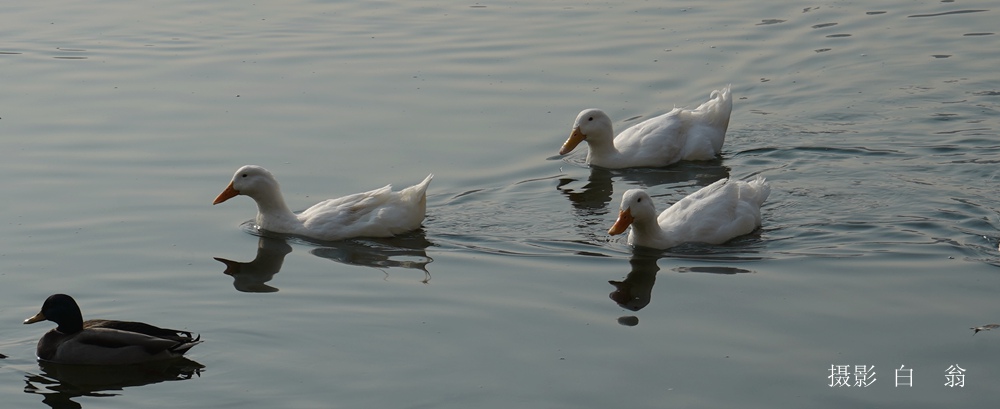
{"x": 62, "y": 310}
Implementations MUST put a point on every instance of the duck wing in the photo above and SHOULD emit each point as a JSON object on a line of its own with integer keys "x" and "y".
{"x": 344, "y": 216}
{"x": 655, "y": 141}
{"x": 142, "y": 328}
{"x": 114, "y": 338}
{"x": 105, "y": 345}
{"x": 691, "y": 206}
{"x": 711, "y": 215}
{"x": 718, "y": 212}
{"x": 681, "y": 134}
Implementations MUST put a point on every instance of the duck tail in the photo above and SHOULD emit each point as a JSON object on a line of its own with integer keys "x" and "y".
{"x": 419, "y": 190}
{"x": 184, "y": 346}
{"x": 427, "y": 180}
{"x": 718, "y": 108}
{"x": 759, "y": 190}
{"x": 422, "y": 186}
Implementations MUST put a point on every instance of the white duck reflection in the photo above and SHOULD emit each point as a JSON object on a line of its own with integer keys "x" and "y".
{"x": 252, "y": 276}
{"x": 404, "y": 251}
{"x": 598, "y": 190}
{"x": 635, "y": 292}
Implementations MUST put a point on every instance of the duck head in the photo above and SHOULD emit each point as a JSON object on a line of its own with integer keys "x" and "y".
{"x": 60, "y": 309}
{"x": 590, "y": 124}
{"x": 250, "y": 180}
{"x": 636, "y": 205}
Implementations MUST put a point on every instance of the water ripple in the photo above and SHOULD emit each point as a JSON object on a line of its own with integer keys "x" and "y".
{"x": 947, "y": 13}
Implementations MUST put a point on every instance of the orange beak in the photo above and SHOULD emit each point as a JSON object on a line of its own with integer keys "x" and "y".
{"x": 624, "y": 220}
{"x": 227, "y": 194}
{"x": 575, "y": 138}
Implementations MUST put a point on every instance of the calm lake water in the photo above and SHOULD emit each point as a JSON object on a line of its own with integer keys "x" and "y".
{"x": 876, "y": 123}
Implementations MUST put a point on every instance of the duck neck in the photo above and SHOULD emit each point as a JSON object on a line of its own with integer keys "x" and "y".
{"x": 649, "y": 231}
{"x": 647, "y": 228}
{"x": 71, "y": 324}
{"x": 602, "y": 147}
{"x": 272, "y": 210}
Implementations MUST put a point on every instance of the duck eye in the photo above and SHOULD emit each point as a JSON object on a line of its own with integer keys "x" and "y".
{"x": 244, "y": 175}
{"x": 590, "y": 119}
{"x": 639, "y": 200}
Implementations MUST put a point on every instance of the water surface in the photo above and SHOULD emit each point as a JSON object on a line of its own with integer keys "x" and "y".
{"x": 876, "y": 124}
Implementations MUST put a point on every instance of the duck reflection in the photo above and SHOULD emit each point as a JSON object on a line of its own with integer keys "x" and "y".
{"x": 636, "y": 291}
{"x": 596, "y": 194}
{"x": 593, "y": 196}
{"x": 250, "y": 277}
{"x": 59, "y": 384}
{"x": 404, "y": 251}
{"x": 712, "y": 270}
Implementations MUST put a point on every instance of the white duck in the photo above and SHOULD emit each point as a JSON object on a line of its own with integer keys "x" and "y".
{"x": 680, "y": 134}
{"x": 714, "y": 214}
{"x": 377, "y": 213}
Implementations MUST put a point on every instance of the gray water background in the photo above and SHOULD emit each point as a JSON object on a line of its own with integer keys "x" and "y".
{"x": 875, "y": 122}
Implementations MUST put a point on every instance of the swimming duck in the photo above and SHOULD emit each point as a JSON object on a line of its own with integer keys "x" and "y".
{"x": 104, "y": 342}
{"x": 714, "y": 214}
{"x": 377, "y": 213}
{"x": 680, "y": 134}
{"x": 986, "y": 327}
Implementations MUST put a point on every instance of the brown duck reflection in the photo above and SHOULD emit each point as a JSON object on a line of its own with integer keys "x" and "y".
{"x": 59, "y": 384}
